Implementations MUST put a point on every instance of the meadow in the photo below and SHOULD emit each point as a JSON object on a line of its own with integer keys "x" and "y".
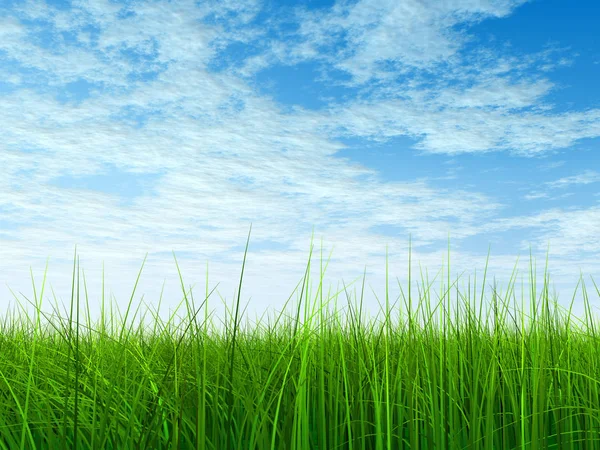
{"x": 422, "y": 378}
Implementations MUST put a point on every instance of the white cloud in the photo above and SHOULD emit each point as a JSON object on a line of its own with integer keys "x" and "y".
{"x": 414, "y": 33}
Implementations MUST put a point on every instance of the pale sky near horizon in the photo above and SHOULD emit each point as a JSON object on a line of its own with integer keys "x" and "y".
{"x": 139, "y": 127}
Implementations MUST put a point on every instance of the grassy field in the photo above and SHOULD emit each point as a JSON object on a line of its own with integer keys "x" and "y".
{"x": 416, "y": 379}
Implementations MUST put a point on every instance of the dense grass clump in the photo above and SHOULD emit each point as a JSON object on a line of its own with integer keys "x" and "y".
{"x": 427, "y": 379}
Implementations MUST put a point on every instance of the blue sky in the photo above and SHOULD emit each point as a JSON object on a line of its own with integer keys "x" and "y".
{"x": 141, "y": 127}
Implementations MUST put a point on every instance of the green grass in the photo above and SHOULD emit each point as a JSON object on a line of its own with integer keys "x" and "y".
{"x": 425, "y": 378}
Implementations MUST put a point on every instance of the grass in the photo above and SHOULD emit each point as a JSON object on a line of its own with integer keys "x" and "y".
{"x": 428, "y": 379}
